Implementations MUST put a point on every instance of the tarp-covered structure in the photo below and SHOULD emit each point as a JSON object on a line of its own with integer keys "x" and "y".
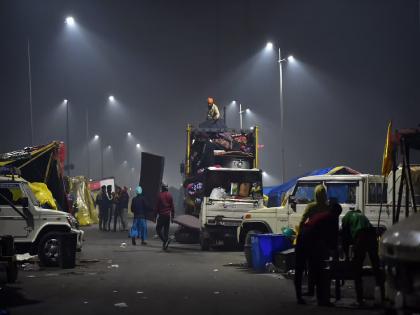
{"x": 82, "y": 200}
{"x": 41, "y": 164}
{"x": 277, "y": 193}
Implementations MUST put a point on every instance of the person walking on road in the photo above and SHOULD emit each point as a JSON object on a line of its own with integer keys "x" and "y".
{"x": 164, "y": 212}
{"x": 139, "y": 209}
{"x": 111, "y": 207}
{"x": 123, "y": 204}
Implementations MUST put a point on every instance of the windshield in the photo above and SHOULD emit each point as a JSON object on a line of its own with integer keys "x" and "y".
{"x": 304, "y": 192}
{"x": 233, "y": 184}
{"x": 14, "y": 192}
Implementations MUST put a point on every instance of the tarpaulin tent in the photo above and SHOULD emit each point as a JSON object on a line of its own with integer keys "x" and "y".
{"x": 42, "y": 164}
{"x": 82, "y": 200}
{"x": 277, "y": 193}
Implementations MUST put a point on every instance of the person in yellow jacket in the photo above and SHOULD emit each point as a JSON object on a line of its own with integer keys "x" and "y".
{"x": 212, "y": 111}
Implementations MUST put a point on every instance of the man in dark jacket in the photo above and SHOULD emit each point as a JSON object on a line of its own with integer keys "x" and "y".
{"x": 139, "y": 209}
{"x": 165, "y": 211}
{"x": 104, "y": 205}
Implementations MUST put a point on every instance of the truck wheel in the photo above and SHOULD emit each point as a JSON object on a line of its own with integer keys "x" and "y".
{"x": 49, "y": 249}
{"x": 204, "y": 243}
{"x": 12, "y": 272}
{"x": 247, "y": 246}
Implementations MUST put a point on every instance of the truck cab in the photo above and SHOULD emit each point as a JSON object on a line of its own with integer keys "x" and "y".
{"x": 33, "y": 228}
{"x": 227, "y": 195}
{"x": 363, "y": 192}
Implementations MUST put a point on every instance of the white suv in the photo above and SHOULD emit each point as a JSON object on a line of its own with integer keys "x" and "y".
{"x": 34, "y": 229}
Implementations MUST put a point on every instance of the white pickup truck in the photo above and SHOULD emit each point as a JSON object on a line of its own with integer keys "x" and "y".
{"x": 221, "y": 214}
{"x": 34, "y": 228}
{"x": 363, "y": 192}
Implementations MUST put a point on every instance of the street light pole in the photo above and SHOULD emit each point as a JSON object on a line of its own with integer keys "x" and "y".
{"x": 283, "y": 162}
{"x": 68, "y": 137}
{"x": 30, "y": 94}
{"x": 87, "y": 143}
{"x": 240, "y": 115}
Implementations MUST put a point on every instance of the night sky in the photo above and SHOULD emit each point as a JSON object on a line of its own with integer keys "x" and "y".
{"x": 357, "y": 67}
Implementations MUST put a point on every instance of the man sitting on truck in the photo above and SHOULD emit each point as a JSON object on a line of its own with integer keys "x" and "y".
{"x": 358, "y": 231}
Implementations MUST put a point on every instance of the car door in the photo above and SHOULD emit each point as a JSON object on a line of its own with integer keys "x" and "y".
{"x": 11, "y": 221}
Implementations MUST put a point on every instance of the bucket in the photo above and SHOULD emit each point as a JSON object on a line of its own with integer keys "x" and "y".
{"x": 263, "y": 247}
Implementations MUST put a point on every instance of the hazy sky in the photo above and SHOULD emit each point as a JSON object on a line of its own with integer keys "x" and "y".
{"x": 357, "y": 66}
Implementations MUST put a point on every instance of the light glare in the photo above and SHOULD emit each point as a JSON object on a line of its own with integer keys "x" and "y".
{"x": 111, "y": 98}
{"x": 269, "y": 46}
{"x": 291, "y": 58}
{"x": 129, "y": 134}
{"x": 96, "y": 137}
{"x": 70, "y": 21}
{"x": 138, "y": 145}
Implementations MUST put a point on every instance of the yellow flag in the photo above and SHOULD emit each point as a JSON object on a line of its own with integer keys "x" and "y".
{"x": 387, "y": 157}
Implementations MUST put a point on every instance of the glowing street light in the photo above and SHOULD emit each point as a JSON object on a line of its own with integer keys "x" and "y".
{"x": 96, "y": 137}
{"x": 138, "y": 145}
{"x": 70, "y": 21}
{"x": 270, "y": 46}
{"x": 129, "y": 134}
{"x": 111, "y": 98}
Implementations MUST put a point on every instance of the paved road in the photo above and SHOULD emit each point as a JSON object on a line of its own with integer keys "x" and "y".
{"x": 182, "y": 280}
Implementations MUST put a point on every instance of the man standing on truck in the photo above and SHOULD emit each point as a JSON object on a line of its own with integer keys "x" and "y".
{"x": 165, "y": 211}
{"x": 212, "y": 110}
{"x": 358, "y": 231}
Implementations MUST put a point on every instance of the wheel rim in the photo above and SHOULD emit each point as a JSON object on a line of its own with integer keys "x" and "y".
{"x": 52, "y": 249}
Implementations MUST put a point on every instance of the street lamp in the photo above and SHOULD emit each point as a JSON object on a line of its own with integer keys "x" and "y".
{"x": 129, "y": 134}
{"x": 67, "y": 103}
{"x": 98, "y": 138}
{"x": 70, "y": 21}
{"x": 111, "y": 98}
{"x": 138, "y": 145}
{"x": 270, "y": 46}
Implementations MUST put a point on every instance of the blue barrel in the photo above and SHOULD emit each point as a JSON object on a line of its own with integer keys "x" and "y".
{"x": 264, "y": 246}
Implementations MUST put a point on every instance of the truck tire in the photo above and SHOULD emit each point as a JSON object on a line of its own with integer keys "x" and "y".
{"x": 49, "y": 249}
{"x": 247, "y": 246}
{"x": 204, "y": 243}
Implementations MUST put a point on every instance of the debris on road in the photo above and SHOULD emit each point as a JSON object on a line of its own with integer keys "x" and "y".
{"x": 121, "y": 304}
{"x": 215, "y": 270}
{"x": 216, "y": 292}
{"x": 29, "y": 267}
{"x": 113, "y": 266}
{"x": 89, "y": 260}
{"x": 123, "y": 245}
{"x": 26, "y": 257}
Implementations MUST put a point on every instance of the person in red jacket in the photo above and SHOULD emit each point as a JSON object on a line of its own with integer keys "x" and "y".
{"x": 164, "y": 212}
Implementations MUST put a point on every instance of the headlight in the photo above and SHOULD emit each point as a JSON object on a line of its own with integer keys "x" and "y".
{"x": 73, "y": 222}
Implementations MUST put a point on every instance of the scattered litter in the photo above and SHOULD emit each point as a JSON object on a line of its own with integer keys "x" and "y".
{"x": 92, "y": 273}
{"x": 31, "y": 276}
{"x": 139, "y": 292}
{"x": 115, "y": 291}
{"x": 123, "y": 245}
{"x": 90, "y": 260}
{"x": 215, "y": 270}
{"x": 85, "y": 302}
{"x": 113, "y": 266}
{"x": 109, "y": 261}
{"x": 29, "y": 267}
{"x": 216, "y": 292}
{"x": 25, "y": 257}
{"x": 121, "y": 304}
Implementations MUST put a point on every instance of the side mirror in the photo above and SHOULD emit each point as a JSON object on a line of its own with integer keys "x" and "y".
{"x": 292, "y": 203}
{"x": 24, "y": 202}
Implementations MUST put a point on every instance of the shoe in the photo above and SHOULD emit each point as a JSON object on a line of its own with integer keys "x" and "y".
{"x": 133, "y": 241}
{"x": 166, "y": 244}
{"x": 143, "y": 243}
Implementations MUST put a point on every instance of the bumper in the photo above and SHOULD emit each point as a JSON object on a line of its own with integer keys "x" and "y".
{"x": 80, "y": 234}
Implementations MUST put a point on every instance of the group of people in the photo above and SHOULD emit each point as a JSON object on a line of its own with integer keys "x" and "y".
{"x": 317, "y": 241}
{"x": 113, "y": 206}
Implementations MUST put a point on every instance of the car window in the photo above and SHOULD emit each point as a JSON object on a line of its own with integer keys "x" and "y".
{"x": 30, "y": 194}
{"x": 12, "y": 192}
{"x": 304, "y": 192}
{"x": 343, "y": 192}
{"x": 377, "y": 193}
